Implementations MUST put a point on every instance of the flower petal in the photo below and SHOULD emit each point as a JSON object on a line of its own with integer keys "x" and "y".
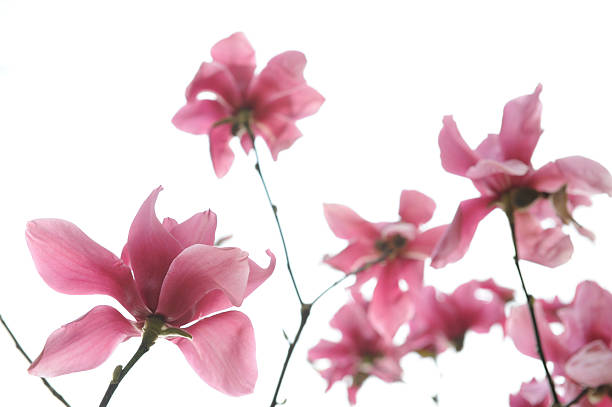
{"x": 222, "y": 352}
{"x": 520, "y": 130}
{"x": 352, "y": 257}
{"x": 592, "y": 365}
{"x": 151, "y": 249}
{"x": 346, "y": 224}
{"x": 278, "y": 131}
{"x": 282, "y": 75}
{"x": 456, "y": 241}
{"x": 198, "y": 116}
{"x": 220, "y": 152}
{"x": 71, "y": 263}
{"x": 549, "y": 247}
{"x": 257, "y": 275}
{"x": 486, "y": 168}
{"x": 199, "y": 229}
{"x": 424, "y": 244}
{"x": 236, "y": 53}
{"x": 585, "y": 176}
{"x": 217, "y": 78}
{"x": 457, "y": 157}
{"x": 195, "y": 272}
{"x": 416, "y": 207}
{"x": 83, "y": 344}
{"x": 295, "y": 104}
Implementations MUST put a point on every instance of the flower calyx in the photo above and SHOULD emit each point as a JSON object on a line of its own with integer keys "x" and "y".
{"x": 518, "y": 198}
{"x": 155, "y": 326}
{"x": 240, "y": 121}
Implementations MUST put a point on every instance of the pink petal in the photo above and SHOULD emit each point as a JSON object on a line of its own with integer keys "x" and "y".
{"x": 457, "y": 157}
{"x": 222, "y": 352}
{"x": 217, "y": 78}
{"x": 486, "y": 168}
{"x": 532, "y": 394}
{"x": 278, "y": 131}
{"x": 424, "y": 244}
{"x": 257, "y": 275}
{"x": 352, "y": 257}
{"x": 236, "y": 53}
{"x": 521, "y": 129}
{"x": 83, "y": 344}
{"x": 387, "y": 369}
{"x": 72, "y": 263}
{"x": 490, "y": 148}
{"x": 478, "y": 314}
{"x": 456, "y": 241}
{"x": 295, "y": 104}
{"x": 282, "y": 75}
{"x": 151, "y": 249}
{"x": 195, "y": 272}
{"x": 591, "y": 366}
{"x": 346, "y": 224}
{"x": 199, "y": 229}
{"x": 416, "y": 207}
{"x": 390, "y": 306}
{"x": 352, "y": 321}
{"x": 549, "y": 247}
{"x": 585, "y": 176}
{"x": 198, "y": 116}
{"x": 547, "y": 179}
{"x": 220, "y": 152}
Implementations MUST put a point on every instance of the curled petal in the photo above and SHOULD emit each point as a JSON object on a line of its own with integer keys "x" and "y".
{"x": 585, "y": 176}
{"x": 236, "y": 53}
{"x": 194, "y": 273}
{"x": 457, "y": 238}
{"x": 549, "y": 247}
{"x": 217, "y": 78}
{"x": 521, "y": 129}
{"x": 416, "y": 207}
{"x": 486, "y": 168}
{"x": 151, "y": 249}
{"x": 83, "y": 344}
{"x": 457, "y": 157}
{"x": 198, "y": 116}
{"x": 71, "y": 263}
{"x": 222, "y": 352}
{"x": 346, "y": 224}
{"x": 592, "y": 365}
{"x": 257, "y": 275}
{"x": 199, "y": 229}
{"x": 220, "y": 152}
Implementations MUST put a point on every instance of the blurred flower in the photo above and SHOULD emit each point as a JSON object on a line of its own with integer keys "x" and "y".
{"x": 442, "y": 319}
{"x": 501, "y": 170}
{"x": 582, "y": 352}
{"x": 268, "y": 103}
{"x": 402, "y": 245}
{"x": 361, "y": 353}
{"x": 532, "y": 394}
{"x": 178, "y": 278}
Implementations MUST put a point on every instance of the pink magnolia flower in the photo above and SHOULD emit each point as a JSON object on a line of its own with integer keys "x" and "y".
{"x": 501, "y": 170}
{"x": 442, "y": 319}
{"x": 582, "y": 353}
{"x": 169, "y": 273}
{"x": 403, "y": 246}
{"x": 268, "y": 103}
{"x": 361, "y": 353}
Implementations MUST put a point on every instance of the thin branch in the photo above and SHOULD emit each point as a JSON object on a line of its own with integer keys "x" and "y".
{"x": 530, "y": 302}
{"x": 578, "y": 397}
{"x": 25, "y": 355}
{"x": 274, "y": 210}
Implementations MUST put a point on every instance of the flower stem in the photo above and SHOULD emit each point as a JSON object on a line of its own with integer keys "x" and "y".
{"x": 151, "y": 331}
{"x": 25, "y": 355}
{"x": 274, "y": 210}
{"x": 530, "y": 302}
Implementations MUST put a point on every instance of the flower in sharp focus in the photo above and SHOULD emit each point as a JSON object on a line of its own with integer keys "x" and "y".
{"x": 169, "y": 274}
{"x": 402, "y": 245}
{"x": 442, "y": 319}
{"x": 362, "y": 352}
{"x": 582, "y": 352}
{"x": 501, "y": 170}
{"x": 268, "y": 103}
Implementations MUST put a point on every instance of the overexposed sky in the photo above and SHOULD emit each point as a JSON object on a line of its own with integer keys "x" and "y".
{"x": 87, "y": 91}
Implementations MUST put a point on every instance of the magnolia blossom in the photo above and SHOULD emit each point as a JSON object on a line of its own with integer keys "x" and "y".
{"x": 361, "y": 353}
{"x": 582, "y": 353}
{"x": 442, "y": 319}
{"x": 268, "y": 103}
{"x": 169, "y": 274}
{"x": 402, "y": 246}
{"x": 501, "y": 170}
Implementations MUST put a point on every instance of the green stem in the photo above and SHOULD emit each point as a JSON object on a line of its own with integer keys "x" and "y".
{"x": 25, "y": 355}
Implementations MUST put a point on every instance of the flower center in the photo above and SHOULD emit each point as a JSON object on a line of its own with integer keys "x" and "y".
{"x": 391, "y": 246}
{"x": 240, "y": 121}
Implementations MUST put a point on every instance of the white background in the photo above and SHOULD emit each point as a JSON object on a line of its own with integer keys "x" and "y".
{"x": 87, "y": 91}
